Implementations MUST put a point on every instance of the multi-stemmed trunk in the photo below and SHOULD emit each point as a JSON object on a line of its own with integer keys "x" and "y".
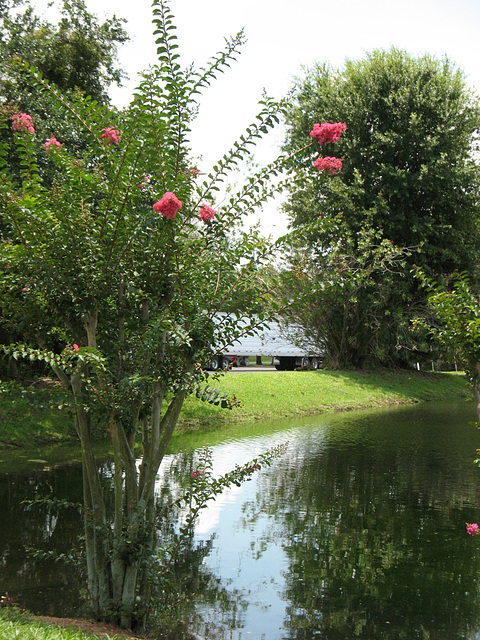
{"x": 118, "y": 544}
{"x": 116, "y": 550}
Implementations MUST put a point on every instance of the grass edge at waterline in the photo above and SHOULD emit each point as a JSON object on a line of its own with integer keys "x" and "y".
{"x": 260, "y": 395}
{"x": 283, "y": 394}
{"x": 16, "y": 625}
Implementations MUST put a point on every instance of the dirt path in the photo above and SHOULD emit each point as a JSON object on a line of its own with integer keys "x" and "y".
{"x": 100, "y": 629}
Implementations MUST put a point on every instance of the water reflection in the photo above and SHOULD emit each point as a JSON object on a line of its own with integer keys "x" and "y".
{"x": 38, "y": 583}
{"x": 357, "y": 532}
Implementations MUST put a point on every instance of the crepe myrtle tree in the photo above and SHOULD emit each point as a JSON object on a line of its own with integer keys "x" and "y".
{"x": 115, "y": 275}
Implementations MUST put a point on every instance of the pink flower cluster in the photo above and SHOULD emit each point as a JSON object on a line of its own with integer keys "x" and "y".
{"x": 22, "y": 122}
{"x": 328, "y": 164}
{"x": 324, "y": 134}
{"x": 110, "y": 135}
{"x": 473, "y": 529}
{"x": 52, "y": 143}
{"x": 168, "y": 205}
{"x": 206, "y": 213}
{"x": 196, "y": 474}
{"x": 327, "y": 131}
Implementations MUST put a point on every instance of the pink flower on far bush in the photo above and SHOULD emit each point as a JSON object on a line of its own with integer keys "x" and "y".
{"x": 327, "y": 131}
{"x": 473, "y": 529}
{"x": 52, "y": 143}
{"x": 168, "y": 205}
{"x": 194, "y": 171}
{"x": 196, "y": 474}
{"x": 75, "y": 347}
{"x": 328, "y": 164}
{"x": 22, "y": 122}
{"x": 206, "y": 213}
{"x": 145, "y": 181}
{"x": 110, "y": 135}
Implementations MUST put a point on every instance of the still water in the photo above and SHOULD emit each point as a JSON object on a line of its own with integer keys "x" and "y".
{"x": 358, "y": 531}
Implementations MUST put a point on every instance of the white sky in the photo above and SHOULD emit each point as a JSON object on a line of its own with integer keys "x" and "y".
{"x": 281, "y": 38}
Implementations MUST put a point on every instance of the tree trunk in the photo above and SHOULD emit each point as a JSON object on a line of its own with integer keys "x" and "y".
{"x": 98, "y": 562}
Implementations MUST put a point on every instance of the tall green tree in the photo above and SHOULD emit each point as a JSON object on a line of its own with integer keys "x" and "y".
{"x": 116, "y": 271}
{"x": 409, "y": 170}
{"x": 77, "y": 53}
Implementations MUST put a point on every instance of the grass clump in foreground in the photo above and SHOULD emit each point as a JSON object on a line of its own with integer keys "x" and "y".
{"x": 15, "y": 625}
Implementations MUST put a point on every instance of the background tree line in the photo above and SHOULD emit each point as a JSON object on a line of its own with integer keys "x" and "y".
{"x": 408, "y": 194}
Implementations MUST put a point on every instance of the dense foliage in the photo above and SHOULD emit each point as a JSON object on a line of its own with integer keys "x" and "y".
{"x": 78, "y": 53}
{"x": 454, "y": 322}
{"x": 408, "y": 177}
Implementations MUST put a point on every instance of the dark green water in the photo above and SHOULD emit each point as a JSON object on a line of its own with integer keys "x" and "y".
{"x": 358, "y": 531}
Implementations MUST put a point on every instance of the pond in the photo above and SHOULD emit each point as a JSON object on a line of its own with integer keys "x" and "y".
{"x": 358, "y": 531}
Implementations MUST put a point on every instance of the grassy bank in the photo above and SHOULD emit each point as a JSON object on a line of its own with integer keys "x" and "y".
{"x": 262, "y": 395}
{"x": 15, "y": 625}
{"x": 23, "y": 423}
{"x": 267, "y": 395}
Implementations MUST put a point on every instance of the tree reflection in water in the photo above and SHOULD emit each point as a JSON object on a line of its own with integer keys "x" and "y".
{"x": 367, "y": 513}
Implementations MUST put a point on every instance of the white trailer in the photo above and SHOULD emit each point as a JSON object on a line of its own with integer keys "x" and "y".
{"x": 285, "y": 345}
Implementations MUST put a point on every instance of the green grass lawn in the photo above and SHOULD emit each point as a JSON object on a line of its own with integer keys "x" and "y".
{"x": 267, "y": 395}
{"x": 23, "y": 423}
{"x": 262, "y": 395}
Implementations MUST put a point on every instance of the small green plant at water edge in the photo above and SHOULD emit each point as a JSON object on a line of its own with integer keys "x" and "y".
{"x": 454, "y": 322}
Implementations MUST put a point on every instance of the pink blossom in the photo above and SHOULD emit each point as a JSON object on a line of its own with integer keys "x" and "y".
{"x": 75, "y": 347}
{"x": 22, "y": 122}
{"x": 473, "y": 529}
{"x": 25, "y": 289}
{"x": 145, "y": 181}
{"x": 327, "y": 132}
{"x": 168, "y": 205}
{"x": 329, "y": 164}
{"x": 53, "y": 142}
{"x": 194, "y": 171}
{"x": 196, "y": 474}
{"x": 110, "y": 135}
{"x": 206, "y": 213}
